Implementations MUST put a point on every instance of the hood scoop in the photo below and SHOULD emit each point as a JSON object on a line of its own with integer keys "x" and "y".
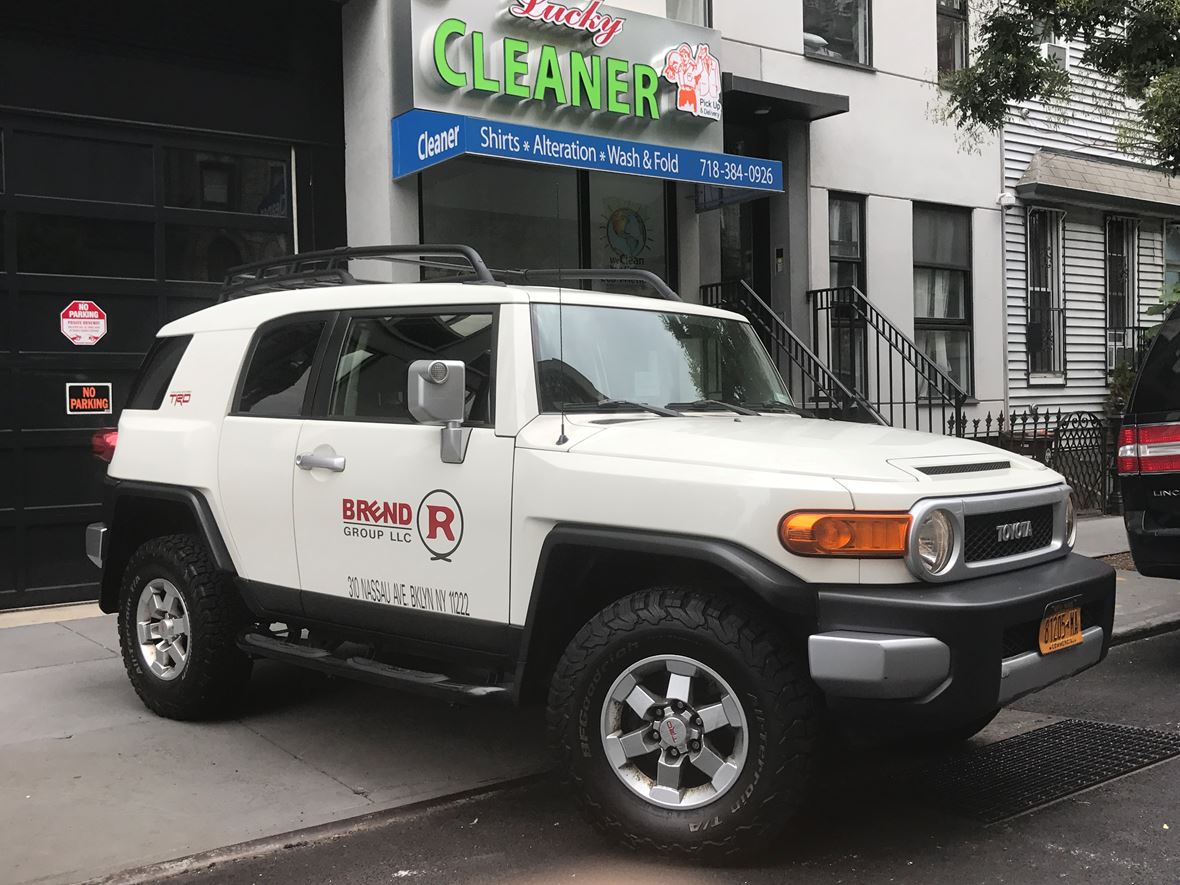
{"x": 976, "y": 467}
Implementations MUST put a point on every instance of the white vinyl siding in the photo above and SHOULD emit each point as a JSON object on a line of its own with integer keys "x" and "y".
{"x": 1088, "y": 124}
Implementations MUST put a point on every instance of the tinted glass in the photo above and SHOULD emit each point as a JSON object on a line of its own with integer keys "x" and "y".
{"x": 226, "y": 183}
{"x": 155, "y": 375}
{"x": 59, "y": 244}
{"x": 280, "y": 367}
{"x": 942, "y": 236}
{"x": 836, "y": 29}
{"x": 372, "y": 375}
{"x": 589, "y": 354}
{"x": 628, "y": 227}
{"x": 80, "y": 168}
{"x": 2, "y": 249}
{"x": 1158, "y": 389}
{"x": 204, "y": 254}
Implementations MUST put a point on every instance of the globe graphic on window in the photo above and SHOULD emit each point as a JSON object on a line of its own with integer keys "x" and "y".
{"x": 626, "y": 232}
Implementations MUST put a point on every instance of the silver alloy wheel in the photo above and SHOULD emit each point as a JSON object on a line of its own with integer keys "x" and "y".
{"x": 674, "y": 732}
{"x": 161, "y": 625}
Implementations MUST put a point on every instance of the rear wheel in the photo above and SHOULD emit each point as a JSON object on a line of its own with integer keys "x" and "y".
{"x": 685, "y": 722}
{"x": 178, "y": 623}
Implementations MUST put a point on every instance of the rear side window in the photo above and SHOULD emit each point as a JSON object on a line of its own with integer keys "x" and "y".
{"x": 1158, "y": 389}
{"x": 276, "y": 381}
{"x": 156, "y": 372}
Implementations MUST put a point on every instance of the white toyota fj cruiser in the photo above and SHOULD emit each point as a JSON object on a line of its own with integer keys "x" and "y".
{"x": 481, "y": 490}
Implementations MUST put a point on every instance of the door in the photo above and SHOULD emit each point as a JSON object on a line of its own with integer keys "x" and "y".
{"x": 258, "y": 445}
{"x": 388, "y": 536}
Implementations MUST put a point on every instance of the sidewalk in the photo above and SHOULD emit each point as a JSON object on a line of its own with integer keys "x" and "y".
{"x": 91, "y": 783}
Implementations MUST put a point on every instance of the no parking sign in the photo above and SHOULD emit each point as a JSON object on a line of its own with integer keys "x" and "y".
{"x": 84, "y": 323}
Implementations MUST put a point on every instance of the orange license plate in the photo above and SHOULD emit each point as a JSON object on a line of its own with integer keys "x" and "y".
{"x": 1061, "y": 627}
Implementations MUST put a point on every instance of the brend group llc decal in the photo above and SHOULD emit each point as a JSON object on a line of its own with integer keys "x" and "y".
{"x": 437, "y": 522}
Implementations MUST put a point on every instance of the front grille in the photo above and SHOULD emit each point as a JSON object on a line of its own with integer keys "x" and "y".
{"x": 981, "y": 543}
{"x": 1021, "y": 638}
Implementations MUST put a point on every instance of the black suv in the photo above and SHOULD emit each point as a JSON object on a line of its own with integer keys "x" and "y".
{"x": 1149, "y": 457}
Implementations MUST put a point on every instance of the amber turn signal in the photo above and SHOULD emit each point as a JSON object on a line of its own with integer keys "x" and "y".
{"x": 845, "y": 534}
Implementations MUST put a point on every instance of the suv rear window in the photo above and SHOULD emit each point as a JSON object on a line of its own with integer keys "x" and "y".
{"x": 1158, "y": 389}
{"x": 155, "y": 374}
{"x": 280, "y": 366}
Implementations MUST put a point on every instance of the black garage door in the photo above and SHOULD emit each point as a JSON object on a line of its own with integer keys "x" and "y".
{"x": 134, "y": 224}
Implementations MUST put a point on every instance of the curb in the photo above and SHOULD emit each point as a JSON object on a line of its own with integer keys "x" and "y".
{"x": 167, "y": 869}
{"x": 1146, "y": 630}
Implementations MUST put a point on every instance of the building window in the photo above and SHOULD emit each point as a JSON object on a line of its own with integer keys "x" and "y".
{"x": 1171, "y": 256}
{"x": 837, "y": 29}
{"x": 1046, "y": 313}
{"x": 942, "y": 288}
{"x": 952, "y": 36}
{"x": 694, "y": 12}
{"x": 1123, "y": 335}
{"x": 846, "y": 238}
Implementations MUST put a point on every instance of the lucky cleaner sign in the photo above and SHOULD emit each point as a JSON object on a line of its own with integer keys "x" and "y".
{"x": 436, "y": 522}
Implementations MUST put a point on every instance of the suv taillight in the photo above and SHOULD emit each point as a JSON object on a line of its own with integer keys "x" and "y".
{"x": 102, "y": 444}
{"x": 1149, "y": 448}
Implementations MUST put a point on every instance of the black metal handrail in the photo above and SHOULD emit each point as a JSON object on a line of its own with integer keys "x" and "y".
{"x": 819, "y": 389}
{"x": 893, "y": 374}
{"x": 1045, "y": 340}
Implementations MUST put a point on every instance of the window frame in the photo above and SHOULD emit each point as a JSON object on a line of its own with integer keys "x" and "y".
{"x": 1133, "y": 319}
{"x": 330, "y": 319}
{"x": 947, "y": 324}
{"x": 865, "y": 63}
{"x": 1056, "y": 290}
{"x": 954, "y": 15}
{"x": 320, "y": 406}
{"x": 1171, "y": 266}
{"x": 707, "y": 23}
{"x": 862, "y": 261}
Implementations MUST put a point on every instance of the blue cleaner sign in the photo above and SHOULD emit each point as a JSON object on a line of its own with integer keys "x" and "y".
{"x": 422, "y": 139}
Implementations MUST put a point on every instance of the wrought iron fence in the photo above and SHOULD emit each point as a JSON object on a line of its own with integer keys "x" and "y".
{"x": 1077, "y": 445}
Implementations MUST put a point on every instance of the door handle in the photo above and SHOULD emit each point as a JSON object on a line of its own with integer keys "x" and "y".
{"x": 311, "y": 461}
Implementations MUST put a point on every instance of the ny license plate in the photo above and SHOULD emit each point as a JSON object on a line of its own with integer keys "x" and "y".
{"x": 1061, "y": 626}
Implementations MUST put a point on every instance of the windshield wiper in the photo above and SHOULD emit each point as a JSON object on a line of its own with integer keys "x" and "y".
{"x": 784, "y": 408}
{"x": 707, "y": 405}
{"x": 619, "y": 405}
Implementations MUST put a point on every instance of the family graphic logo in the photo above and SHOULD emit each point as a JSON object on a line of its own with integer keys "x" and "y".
{"x": 697, "y": 76}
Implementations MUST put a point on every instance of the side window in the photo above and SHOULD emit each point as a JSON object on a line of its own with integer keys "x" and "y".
{"x": 276, "y": 381}
{"x": 371, "y": 376}
{"x": 156, "y": 372}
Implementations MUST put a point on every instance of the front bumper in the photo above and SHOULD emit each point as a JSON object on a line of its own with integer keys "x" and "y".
{"x": 943, "y": 655}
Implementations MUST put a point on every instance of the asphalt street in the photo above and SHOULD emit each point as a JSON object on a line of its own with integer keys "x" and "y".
{"x": 870, "y": 821}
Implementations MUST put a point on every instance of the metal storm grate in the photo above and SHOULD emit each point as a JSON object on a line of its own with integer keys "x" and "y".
{"x": 1012, "y": 776}
{"x": 982, "y": 544}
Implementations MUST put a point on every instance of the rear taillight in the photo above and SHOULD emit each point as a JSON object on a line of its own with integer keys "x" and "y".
{"x": 1149, "y": 448}
{"x": 102, "y": 444}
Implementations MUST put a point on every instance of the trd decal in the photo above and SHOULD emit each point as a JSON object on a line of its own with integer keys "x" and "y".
{"x": 181, "y": 397}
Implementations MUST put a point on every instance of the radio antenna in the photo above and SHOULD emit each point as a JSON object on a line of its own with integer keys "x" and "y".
{"x": 562, "y": 439}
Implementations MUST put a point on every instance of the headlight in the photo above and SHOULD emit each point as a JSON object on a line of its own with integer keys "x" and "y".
{"x": 1071, "y": 522}
{"x": 934, "y": 541}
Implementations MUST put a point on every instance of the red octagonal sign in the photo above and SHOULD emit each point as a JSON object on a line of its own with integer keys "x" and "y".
{"x": 84, "y": 323}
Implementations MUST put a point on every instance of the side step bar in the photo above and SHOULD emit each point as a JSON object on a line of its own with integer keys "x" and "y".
{"x": 437, "y": 685}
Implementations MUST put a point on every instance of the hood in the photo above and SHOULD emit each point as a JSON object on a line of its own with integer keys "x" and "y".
{"x": 841, "y": 450}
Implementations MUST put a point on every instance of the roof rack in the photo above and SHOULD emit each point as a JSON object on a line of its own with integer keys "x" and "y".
{"x": 662, "y": 289}
{"x": 308, "y": 269}
{"x": 330, "y": 267}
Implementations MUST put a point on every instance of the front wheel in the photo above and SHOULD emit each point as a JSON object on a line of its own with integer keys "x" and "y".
{"x": 686, "y": 723}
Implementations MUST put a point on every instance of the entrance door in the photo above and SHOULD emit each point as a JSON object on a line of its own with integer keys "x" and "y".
{"x": 388, "y": 537}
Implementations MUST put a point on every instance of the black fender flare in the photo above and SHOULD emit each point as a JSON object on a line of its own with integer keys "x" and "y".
{"x": 783, "y": 592}
{"x": 123, "y": 496}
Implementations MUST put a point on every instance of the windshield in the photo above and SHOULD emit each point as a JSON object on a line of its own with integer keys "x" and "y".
{"x": 641, "y": 356}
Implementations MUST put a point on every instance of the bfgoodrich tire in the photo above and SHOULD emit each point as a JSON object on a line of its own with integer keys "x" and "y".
{"x": 684, "y": 722}
{"x": 178, "y": 624}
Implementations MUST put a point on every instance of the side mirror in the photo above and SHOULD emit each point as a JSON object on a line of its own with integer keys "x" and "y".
{"x": 437, "y": 394}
